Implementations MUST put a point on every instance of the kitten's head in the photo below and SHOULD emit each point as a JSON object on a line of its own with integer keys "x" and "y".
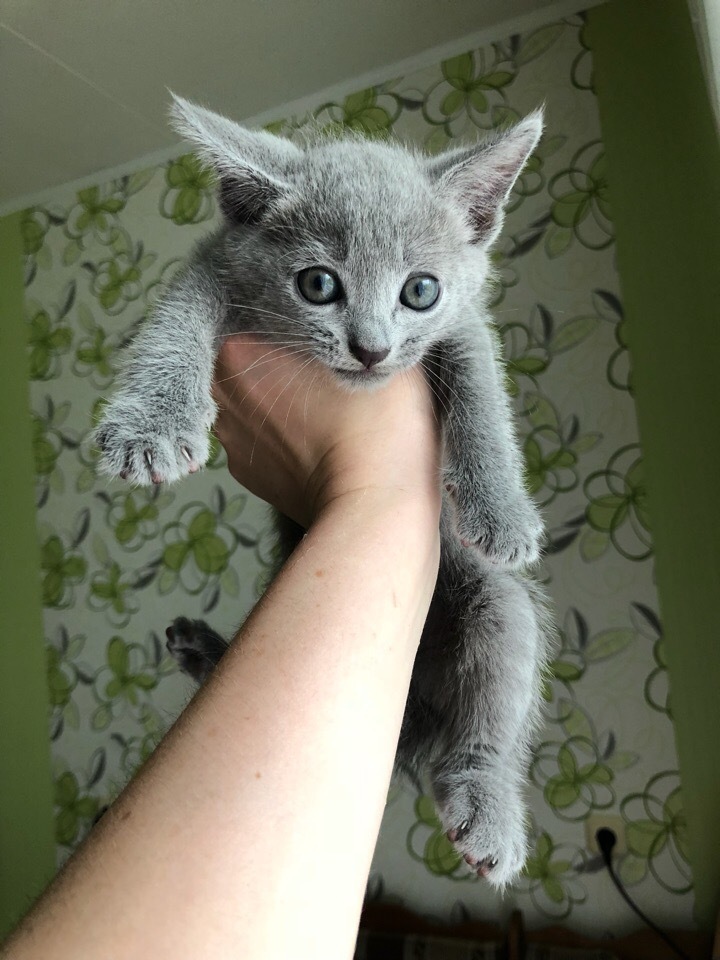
{"x": 360, "y": 253}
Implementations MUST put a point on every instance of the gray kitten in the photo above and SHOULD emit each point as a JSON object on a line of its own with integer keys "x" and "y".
{"x": 372, "y": 258}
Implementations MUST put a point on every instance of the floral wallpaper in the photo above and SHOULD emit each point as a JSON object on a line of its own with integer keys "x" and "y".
{"x": 118, "y": 564}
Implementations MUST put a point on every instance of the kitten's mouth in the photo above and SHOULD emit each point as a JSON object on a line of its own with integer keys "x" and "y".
{"x": 363, "y": 378}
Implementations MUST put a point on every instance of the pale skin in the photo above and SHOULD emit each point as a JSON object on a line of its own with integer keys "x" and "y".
{"x": 250, "y": 831}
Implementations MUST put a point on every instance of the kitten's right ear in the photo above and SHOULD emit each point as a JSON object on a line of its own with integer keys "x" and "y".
{"x": 250, "y": 164}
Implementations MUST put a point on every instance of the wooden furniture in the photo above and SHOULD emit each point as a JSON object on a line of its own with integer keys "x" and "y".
{"x": 517, "y": 943}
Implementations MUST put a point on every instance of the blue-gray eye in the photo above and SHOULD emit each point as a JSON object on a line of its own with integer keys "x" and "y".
{"x": 420, "y": 292}
{"x": 319, "y": 285}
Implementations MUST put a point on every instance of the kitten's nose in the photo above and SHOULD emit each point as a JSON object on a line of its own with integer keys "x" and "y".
{"x": 368, "y": 358}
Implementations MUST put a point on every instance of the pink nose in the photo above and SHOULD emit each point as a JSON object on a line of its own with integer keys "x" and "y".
{"x": 368, "y": 358}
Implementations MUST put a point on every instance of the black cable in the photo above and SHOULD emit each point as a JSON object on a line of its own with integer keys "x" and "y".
{"x": 606, "y": 840}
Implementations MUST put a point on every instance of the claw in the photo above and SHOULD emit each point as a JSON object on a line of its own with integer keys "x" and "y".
{"x": 193, "y": 466}
{"x": 457, "y": 833}
{"x": 486, "y": 866}
{"x": 148, "y": 458}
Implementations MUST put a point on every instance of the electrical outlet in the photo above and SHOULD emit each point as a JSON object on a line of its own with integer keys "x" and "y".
{"x": 612, "y": 822}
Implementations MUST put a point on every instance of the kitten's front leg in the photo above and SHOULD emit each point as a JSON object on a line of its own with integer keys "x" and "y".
{"x": 483, "y": 462}
{"x": 155, "y": 428}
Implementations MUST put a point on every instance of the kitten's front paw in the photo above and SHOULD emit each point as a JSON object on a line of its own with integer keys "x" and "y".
{"x": 487, "y": 829}
{"x": 145, "y": 448}
{"x": 510, "y": 533}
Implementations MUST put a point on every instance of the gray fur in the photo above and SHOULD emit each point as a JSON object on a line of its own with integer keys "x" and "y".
{"x": 375, "y": 214}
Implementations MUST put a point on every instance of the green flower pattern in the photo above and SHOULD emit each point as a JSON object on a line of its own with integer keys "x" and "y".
{"x": 117, "y": 281}
{"x": 96, "y": 352}
{"x": 617, "y": 511}
{"x": 577, "y": 784}
{"x": 48, "y": 442}
{"x": 63, "y": 676}
{"x": 76, "y": 807}
{"x": 368, "y": 112}
{"x": 95, "y": 212}
{"x": 472, "y": 83}
{"x": 75, "y": 810}
{"x": 118, "y": 563}
{"x": 656, "y": 829}
{"x": 188, "y": 195}
{"x": 198, "y": 548}
{"x": 134, "y": 517}
{"x": 62, "y": 569}
{"x": 580, "y": 210}
{"x": 50, "y": 335}
{"x": 551, "y": 877}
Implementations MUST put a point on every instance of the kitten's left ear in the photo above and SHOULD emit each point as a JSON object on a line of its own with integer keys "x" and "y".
{"x": 481, "y": 177}
{"x": 251, "y": 164}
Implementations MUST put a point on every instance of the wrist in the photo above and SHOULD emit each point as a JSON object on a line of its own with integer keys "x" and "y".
{"x": 393, "y": 482}
{"x": 390, "y": 504}
{"x": 398, "y": 521}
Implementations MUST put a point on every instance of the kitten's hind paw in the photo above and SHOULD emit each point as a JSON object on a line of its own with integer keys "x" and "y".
{"x": 196, "y": 646}
{"x": 487, "y": 831}
{"x": 483, "y": 868}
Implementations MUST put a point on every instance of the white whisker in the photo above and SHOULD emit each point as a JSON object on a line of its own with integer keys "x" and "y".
{"x": 446, "y": 391}
{"x": 297, "y": 373}
{"x": 305, "y": 411}
{"x": 265, "y": 358}
{"x": 276, "y": 364}
{"x": 270, "y": 313}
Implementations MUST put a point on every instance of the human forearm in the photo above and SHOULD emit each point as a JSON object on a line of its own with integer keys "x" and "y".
{"x": 251, "y": 830}
{"x": 357, "y": 594}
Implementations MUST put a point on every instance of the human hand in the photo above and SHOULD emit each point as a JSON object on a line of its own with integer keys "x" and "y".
{"x": 299, "y": 440}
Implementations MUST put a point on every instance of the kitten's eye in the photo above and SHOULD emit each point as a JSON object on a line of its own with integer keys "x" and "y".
{"x": 420, "y": 292}
{"x": 319, "y": 285}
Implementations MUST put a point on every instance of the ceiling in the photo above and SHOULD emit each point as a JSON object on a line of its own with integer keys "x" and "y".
{"x": 84, "y": 85}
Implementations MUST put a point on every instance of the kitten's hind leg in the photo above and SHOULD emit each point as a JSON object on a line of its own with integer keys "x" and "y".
{"x": 489, "y": 697}
{"x": 196, "y": 647}
{"x": 482, "y": 807}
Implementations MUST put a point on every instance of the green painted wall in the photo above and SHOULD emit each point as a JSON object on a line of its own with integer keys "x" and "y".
{"x": 27, "y": 850}
{"x": 664, "y": 169}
